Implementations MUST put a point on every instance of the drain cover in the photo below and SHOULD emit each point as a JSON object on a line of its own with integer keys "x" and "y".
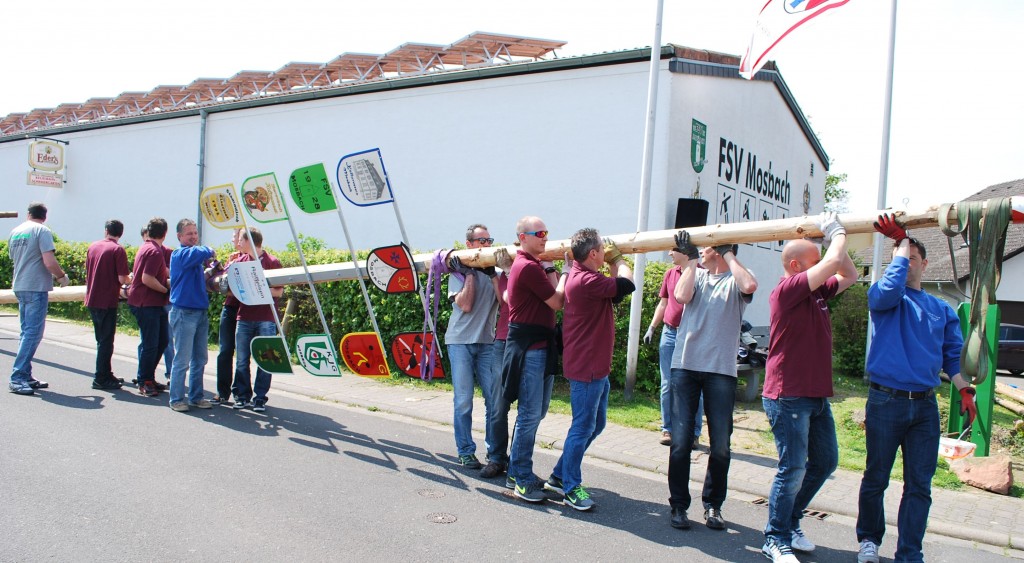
{"x": 441, "y": 518}
{"x": 430, "y": 493}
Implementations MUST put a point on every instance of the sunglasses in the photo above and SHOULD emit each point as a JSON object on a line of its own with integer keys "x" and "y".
{"x": 483, "y": 240}
{"x": 538, "y": 234}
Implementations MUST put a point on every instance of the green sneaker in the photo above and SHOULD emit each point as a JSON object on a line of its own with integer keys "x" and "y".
{"x": 510, "y": 482}
{"x": 579, "y": 498}
{"x": 554, "y": 484}
{"x": 531, "y": 492}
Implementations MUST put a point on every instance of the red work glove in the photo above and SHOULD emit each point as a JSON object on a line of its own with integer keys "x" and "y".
{"x": 967, "y": 405}
{"x": 888, "y": 227}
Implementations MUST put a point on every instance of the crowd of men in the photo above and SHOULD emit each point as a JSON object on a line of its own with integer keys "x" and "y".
{"x": 503, "y": 337}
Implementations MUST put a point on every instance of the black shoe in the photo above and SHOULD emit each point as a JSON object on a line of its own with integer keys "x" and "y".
{"x": 469, "y": 461}
{"x": 148, "y": 389}
{"x": 36, "y": 384}
{"x": 107, "y": 385}
{"x": 713, "y": 518}
{"x": 679, "y": 519}
{"x": 492, "y": 470}
{"x": 260, "y": 405}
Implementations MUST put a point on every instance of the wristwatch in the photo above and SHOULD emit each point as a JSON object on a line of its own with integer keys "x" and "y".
{"x": 550, "y": 270}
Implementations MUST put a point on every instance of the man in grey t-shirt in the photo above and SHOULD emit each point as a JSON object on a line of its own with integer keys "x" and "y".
{"x": 32, "y": 251}
{"x": 704, "y": 363}
{"x": 470, "y": 341}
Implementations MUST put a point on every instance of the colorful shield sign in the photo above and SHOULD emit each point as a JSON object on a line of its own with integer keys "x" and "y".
{"x": 363, "y": 354}
{"x": 249, "y": 284}
{"x": 220, "y": 207}
{"x": 408, "y": 350}
{"x": 261, "y": 197}
{"x": 363, "y": 180}
{"x": 316, "y": 354}
{"x": 311, "y": 189}
{"x": 391, "y": 270}
{"x": 270, "y": 354}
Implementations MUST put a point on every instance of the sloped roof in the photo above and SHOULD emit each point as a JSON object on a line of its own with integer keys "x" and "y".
{"x": 940, "y": 267}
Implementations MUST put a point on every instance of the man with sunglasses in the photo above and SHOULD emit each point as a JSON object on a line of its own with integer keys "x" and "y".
{"x": 915, "y": 335}
{"x": 535, "y": 292}
{"x": 470, "y": 341}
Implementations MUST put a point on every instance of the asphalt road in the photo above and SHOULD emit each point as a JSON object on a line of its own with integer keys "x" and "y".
{"x": 113, "y": 476}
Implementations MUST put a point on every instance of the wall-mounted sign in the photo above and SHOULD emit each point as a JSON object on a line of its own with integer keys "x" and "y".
{"x": 46, "y": 156}
{"x": 45, "y": 179}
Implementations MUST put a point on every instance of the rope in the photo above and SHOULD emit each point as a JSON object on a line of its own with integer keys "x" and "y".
{"x": 428, "y": 356}
{"x": 985, "y": 233}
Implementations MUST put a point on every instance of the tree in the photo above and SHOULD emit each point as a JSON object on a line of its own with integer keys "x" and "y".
{"x": 836, "y": 196}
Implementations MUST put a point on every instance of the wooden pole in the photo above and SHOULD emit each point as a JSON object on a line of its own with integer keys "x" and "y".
{"x": 8, "y": 214}
{"x": 650, "y": 241}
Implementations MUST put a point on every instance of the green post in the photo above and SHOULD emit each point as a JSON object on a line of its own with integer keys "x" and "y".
{"x": 981, "y": 433}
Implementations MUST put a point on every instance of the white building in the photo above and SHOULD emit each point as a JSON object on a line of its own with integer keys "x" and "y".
{"x": 560, "y": 138}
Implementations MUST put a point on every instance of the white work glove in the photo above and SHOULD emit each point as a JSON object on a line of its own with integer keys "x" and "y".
{"x": 566, "y": 264}
{"x": 64, "y": 281}
{"x": 828, "y": 223}
{"x": 649, "y": 335}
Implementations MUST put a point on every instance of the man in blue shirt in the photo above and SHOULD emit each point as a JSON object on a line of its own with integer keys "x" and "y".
{"x": 190, "y": 323}
{"x": 915, "y": 335}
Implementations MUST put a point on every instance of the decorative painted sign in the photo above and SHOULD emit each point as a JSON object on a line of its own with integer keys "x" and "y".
{"x": 363, "y": 354}
{"x": 220, "y": 207}
{"x": 391, "y": 269}
{"x": 407, "y": 350}
{"x": 270, "y": 354}
{"x": 363, "y": 180}
{"x": 249, "y": 284}
{"x": 261, "y": 197}
{"x": 316, "y": 354}
{"x": 698, "y": 145}
{"x": 45, "y": 179}
{"x": 311, "y": 189}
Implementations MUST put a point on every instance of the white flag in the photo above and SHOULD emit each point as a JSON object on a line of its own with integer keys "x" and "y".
{"x": 776, "y": 20}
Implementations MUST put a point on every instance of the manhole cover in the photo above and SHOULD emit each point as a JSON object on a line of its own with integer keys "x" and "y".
{"x": 430, "y": 493}
{"x": 441, "y": 518}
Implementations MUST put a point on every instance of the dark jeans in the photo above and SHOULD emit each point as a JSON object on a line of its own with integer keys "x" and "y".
{"x": 104, "y": 324}
{"x": 719, "y": 392}
{"x": 153, "y": 336}
{"x": 894, "y": 423}
{"x": 226, "y": 356}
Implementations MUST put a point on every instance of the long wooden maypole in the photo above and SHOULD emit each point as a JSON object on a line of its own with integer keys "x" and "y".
{"x": 635, "y": 243}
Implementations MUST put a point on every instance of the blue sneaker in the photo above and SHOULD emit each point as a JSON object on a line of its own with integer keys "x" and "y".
{"x": 554, "y": 484}
{"x": 531, "y": 492}
{"x": 510, "y": 482}
{"x": 579, "y": 498}
{"x": 21, "y": 388}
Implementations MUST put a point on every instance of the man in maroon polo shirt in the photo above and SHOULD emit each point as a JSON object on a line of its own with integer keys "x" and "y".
{"x": 588, "y": 337}
{"x": 106, "y": 269}
{"x": 147, "y": 297}
{"x": 253, "y": 321}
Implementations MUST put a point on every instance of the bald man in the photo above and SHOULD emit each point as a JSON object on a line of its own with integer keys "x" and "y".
{"x": 798, "y": 382}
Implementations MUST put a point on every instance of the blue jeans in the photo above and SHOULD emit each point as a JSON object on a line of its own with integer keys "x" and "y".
{"x": 153, "y": 335}
{"x": 534, "y": 396}
{"x": 497, "y": 418}
{"x": 191, "y": 328}
{"x": 32, "y": 307}
{"x": 226, "y": 355}
{"x": 719, "y": 399}
{"x": 665, "y": 347}
{"x": 104, "y": 324}
{"x": 169, "y": 350}
{"x": 245, "y": 331}
{"x": 589, "y": 414}
{"x": 805, "y": 438}
{"x": 912, "y": 425}
{"x": 471, "y": 363}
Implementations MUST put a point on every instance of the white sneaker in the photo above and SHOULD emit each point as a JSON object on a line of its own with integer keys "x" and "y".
{"x": 800, "y": 542}
{"x": 777, "y": 552}
{"x": 868, "y": 552}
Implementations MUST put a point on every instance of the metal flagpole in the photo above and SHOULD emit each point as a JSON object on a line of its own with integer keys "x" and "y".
{"x": 636, "y": 305}
{"x": 423, "y": 293}
{"x": 883, "y": 167}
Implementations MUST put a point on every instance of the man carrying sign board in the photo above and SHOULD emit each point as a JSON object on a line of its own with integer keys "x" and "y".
{"x": 253, "y": 321}
{"x": 190, "y": 322}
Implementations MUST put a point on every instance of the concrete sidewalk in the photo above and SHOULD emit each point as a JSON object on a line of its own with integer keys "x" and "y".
{"x": 969, "y": 514}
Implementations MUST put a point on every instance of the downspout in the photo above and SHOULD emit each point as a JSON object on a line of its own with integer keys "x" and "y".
{"x": 202, "y": 171}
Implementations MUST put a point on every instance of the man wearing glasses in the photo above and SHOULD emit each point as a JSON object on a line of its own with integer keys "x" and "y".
{"x": 470, "y": 341}
{"x": 535, "y": 292}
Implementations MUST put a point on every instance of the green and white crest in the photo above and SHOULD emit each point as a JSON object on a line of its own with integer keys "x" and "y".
{"x": 698, "y": 145}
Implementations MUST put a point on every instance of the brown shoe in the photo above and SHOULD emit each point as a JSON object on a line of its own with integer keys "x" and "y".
{"x": 148, "y": 389}
{"x": 666, "y": 438}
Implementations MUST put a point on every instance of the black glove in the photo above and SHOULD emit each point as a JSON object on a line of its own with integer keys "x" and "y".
{"x": 456, "y": 265}
{"x": 723, "y": 248}
{"x": 685, "y": 247}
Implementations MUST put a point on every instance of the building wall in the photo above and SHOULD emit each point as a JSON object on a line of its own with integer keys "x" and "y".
{"x": 564, "y": 145}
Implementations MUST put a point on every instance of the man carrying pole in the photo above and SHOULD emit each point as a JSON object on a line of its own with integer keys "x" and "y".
{"x": 106, "y": 269}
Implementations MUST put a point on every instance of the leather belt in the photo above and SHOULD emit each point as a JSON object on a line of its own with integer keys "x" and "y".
{"x": 904, "y": 394}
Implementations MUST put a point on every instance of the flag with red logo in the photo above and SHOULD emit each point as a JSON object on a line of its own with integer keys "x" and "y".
{"x": 778, "y": 18}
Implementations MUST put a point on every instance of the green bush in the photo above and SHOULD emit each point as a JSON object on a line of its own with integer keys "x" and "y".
{"x": 849, "y": 330}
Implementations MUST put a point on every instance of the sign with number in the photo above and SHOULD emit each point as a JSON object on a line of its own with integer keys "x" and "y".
{"x": 311, "y": 189}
